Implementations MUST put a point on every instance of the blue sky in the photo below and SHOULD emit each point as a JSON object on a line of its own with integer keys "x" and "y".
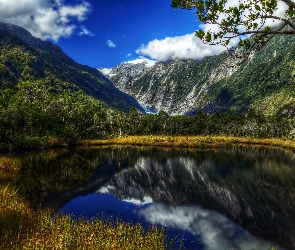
{"x": 104, "y": 33}
{"x": 127, "y": 25}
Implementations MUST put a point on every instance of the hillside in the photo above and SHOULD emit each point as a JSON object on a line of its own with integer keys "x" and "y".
{"x": 47, "y": 99}
{"x": 26, "y": 58}
{"x": 264, "y": 83}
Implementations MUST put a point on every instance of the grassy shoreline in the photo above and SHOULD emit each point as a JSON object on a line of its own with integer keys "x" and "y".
{"x": 190, "y": 142}
{"x": 162, "y": 141}
{"x": 25, "y": 228}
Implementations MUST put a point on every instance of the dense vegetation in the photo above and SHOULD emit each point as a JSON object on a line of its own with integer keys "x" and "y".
{"x": 47, "y": 99}
{"x": 265, "y": 82}
{"x": 26, "y": 58}
{"x": 250, "y": 124}
{"x": 33, "y": 116}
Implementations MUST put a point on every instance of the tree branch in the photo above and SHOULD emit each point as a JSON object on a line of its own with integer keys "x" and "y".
{"x": 289, "y": 3}
{"x": 279, "y": 32}
{"x": 281, "y": 19}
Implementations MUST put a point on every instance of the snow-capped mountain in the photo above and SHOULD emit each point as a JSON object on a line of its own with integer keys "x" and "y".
{"x": 130, "y": 68}
{"x": 212, "y": 84}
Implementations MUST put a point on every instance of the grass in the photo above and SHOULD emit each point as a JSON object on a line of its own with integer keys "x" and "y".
{"x": 25, "y": 228}
{"x": 9, "y": 164}
{"x": 190, "y": 141}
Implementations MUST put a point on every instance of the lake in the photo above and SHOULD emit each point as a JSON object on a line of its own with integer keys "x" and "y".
{"x": 238, "y": 198}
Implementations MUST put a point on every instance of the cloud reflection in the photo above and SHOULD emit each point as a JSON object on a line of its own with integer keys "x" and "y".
{"x": 217, "y": 232}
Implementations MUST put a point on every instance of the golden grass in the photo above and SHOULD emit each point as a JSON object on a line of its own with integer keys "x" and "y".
{"x": 10, "y": 164}
{"x": 24, "y": 228}
{"x": 190, "y": 141}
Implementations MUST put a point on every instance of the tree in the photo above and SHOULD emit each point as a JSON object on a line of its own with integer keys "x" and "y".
{"x": 242, "y": 18}
{"x": 133, "y": 120}
{"x": 121, "y": 121}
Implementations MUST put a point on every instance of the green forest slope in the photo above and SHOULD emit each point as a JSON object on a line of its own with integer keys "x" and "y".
{"x": 26, "y": 58}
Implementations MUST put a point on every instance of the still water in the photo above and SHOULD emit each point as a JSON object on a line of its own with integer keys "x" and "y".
{"x": 240, "y": 198}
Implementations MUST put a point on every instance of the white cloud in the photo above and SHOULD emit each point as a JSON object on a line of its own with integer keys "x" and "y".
{"x": 46, "y": 19}
{"x": 281, "y": 8}
{"x": 179, "y": 47}
{"x": 216, "y": 231}
{"x": 111, "y": 44}
{"x": 85, "y": 32}
{"x": 128, "y": 55}
{"x": 191, "y": 47}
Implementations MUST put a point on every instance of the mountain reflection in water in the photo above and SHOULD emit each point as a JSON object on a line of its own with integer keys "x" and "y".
{"x": 242, "y": 198}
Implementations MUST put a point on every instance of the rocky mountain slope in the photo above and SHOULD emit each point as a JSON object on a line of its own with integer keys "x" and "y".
{"x": 264, "y": 82}
{"x": 124, "y": 75}
{"x": 26, "y": 58}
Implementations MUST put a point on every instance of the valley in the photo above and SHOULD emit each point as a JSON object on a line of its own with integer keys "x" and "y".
{"x": 166, "y": 150}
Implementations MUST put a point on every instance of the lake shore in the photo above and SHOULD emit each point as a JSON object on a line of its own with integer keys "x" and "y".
{"x": 160, "y": 141}
{"x": 190, "y": 142}
{"x": 22, "y": 223}
{"x": 23, "y": 227}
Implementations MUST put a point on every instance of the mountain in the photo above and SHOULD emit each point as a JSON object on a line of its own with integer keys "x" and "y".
{"x": 126, "y": 70}
{"x": 265, "y": 82}
{"x": 126, "y": 73}
{"x": 26, "y": 58}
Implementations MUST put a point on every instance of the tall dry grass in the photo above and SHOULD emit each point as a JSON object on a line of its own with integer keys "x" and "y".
{"x": 190, "y": 141}
{"x": 24, "y": 228}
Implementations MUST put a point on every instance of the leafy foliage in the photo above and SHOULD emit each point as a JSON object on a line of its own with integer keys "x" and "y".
{"x": 244, "y": 18}
{"x": 34, "y": 116}
{"x": 250, "y": 124}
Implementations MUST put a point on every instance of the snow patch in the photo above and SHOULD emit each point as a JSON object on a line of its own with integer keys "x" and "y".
{"x": 149, "y": 110}
{"x": 106, "y": 72}
{"x": 149, "y": 63}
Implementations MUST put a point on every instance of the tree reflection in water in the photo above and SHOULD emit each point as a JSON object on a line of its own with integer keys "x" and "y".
{"x": 205, "y": 192}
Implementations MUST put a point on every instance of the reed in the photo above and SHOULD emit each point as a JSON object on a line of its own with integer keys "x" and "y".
{"x": 190, "y": 141}
{"x": 10, "y": 164}
{"x": 25, "y": 228}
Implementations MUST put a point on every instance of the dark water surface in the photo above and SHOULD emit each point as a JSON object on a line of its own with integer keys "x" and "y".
{"x": 240, "y": 198}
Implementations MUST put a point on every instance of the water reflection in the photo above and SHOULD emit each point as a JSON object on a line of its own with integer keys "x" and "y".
{"x": 240, "y": 198}
{"x": 215, "y": 230}
{"x": 253, "y": 187}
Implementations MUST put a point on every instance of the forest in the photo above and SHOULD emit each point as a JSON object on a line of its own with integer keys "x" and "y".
{"x": 35, "y": 116}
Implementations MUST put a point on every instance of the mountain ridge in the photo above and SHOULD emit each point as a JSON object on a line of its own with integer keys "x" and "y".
{"x": 264, "y": 83}
{"x": 25, "y": 57}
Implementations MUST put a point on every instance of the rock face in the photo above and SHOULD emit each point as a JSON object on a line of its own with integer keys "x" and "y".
{"x": 264, "y": 82}
{"x": 26, "y": 58}
{"x": 176, "y": 86}
{"x": 124, "y": 75}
